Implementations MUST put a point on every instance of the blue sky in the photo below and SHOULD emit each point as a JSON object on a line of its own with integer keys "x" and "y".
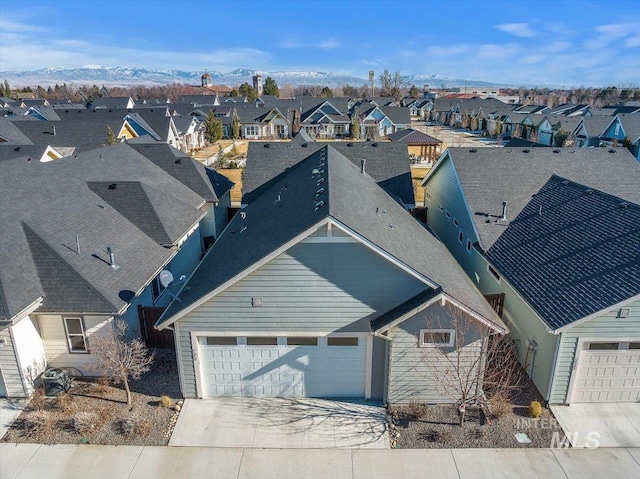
{"x": 516, "y": 42}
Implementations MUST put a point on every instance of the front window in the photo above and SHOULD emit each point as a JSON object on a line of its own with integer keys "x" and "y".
{"x": 436, "y": 337}
{"x": 76, "y": 338}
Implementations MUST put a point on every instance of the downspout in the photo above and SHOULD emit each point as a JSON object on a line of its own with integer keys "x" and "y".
{"x": 554, "y": 366}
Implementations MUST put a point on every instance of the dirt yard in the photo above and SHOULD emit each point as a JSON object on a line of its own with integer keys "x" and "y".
{"x": 235, "y": 175}
{"x": 93, "y": 412}
{"x": 419, "y": 426}
{"x": 417, "y": 175}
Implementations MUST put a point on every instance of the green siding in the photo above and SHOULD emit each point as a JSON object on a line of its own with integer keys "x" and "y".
{"x": 607, "y": 325}
{"x": 313, "y": 287}
{"x": 414, "y": 371}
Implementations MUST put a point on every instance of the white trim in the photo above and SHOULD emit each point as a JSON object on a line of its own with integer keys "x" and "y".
{"x": 301, "y": 334}
{"x": 596, "y": 314}
{"x": 449, "y": 344}
{"x": 25, "y": 389}
{"x": 176, "y": 340}
{"x": 384, "y": 254}
{"x": 67, "y": 337}
{"x": 502, "y": 329}
{"x": 28, "y": 310}
{"x": 329, "y": 239}
{"x": 368, "y": 367}
{"x": 414, "y": 311}
{"x": 237, "y": 277}
{"x": 578, "y": 357}
{"x": 195, "y": 354}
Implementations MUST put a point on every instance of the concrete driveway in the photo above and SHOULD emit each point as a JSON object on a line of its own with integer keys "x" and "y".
{"x": 10, "y": 409}
{"x": 280, "y": 423}
{"x": 610, "y": 424}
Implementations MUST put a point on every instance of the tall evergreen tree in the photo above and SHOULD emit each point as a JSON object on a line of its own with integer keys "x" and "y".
{"x": 271, "y": 87}
{"x": 111, "y": 137}
{"x": 248, "y": 91}
{"x": 326, "y": 92}
{"x": 213, "y": 128}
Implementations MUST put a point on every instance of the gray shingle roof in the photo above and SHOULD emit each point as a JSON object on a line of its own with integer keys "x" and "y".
{"x": 43, "y": 206}
{"x": 490, "y": 176}
{"x": 579, "y": 256}
{"x": 631, "y": 126}
{"x": 596, "y": 125}
{"x": 351, "y": 198}
{"x": 387, "y": 163}
{"x": 413, "y": 137}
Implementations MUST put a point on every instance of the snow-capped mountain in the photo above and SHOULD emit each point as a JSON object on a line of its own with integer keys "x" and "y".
{"x": 125, "y": 76}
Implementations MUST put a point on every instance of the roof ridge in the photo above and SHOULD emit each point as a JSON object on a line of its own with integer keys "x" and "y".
{"x": 73, "y": 271}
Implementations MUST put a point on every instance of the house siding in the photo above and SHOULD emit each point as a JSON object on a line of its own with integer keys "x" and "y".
{"x": 412, "y": 369}
{"x": 9, "y": 365}
{"x": 55, "y": 341}
{"x": 378, "y": 376}
{"x": 313, "y": 287}
{"x": 30, "y": 351}
{"x": 607, "y": 325}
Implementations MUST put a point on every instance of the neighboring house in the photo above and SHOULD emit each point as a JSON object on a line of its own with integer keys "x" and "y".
{"x": 42, "y": 153}
{"x": 157, "y": 123}
{"x": 419, "y": 108}
{"x": 556, "y": 230}
{"x": 323, "y": 286}
{"x": 387, "y": 163}
{"x": 325, "y": 121}
{"x": 43, "y": 112}
{"x": 262, "y": 122}
{"x": 109, "y": 103}
{"x": 89, "y": 235}
{"x": 631, "y": 127}
{"x": 591, "y": 130}
{"x": 379, "y": 121}
{"x": 422, "y": 147}
{"x": 191, "y": 133}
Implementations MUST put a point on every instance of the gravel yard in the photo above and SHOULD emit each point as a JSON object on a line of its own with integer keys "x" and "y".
{"x": 436, "y": 427}
{"x": 96, "y": 413}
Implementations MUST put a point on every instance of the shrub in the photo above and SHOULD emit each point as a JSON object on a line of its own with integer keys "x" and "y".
{"x": 39, "y": 419}
{"x": 143, "y": 427}
{"x": 535, "y": 409}
{"x": 132, "y": 425}
{"x": 166, "y": 401}
{"x": 101, "y": 385}
{"x": 84, "y": 422}
{"x": 416, "y": 410}
{"x": 500, "y": 405}
{"x": 38, "y": 400}
{"x": 127, "y": 426}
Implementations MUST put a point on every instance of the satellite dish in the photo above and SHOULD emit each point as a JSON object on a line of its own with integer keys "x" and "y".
{"x": 166, "y": 278}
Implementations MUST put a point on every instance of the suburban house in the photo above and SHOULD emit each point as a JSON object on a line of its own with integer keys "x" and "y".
{"x": 381, "y": 121}
{"x": 387, "y": 163}
{"x": 325, "y": 121}
{"x": 593, "y": 129}
{"x": 262, "y": 122}
{"x": 323, "y": 286}
{"x": 109, "y": 103}
{"x": 89, "y": 235}
{"x": 555, "y": 232}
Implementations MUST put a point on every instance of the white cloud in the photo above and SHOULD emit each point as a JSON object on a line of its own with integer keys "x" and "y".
{"x": 633, "y": 42}
{"x": 612, "y": 32}
{"x": 328, "y": 44}
{"x": 447, "y": 51}
{"x": 521, "y": 30}
{"x": 490, "y": 51}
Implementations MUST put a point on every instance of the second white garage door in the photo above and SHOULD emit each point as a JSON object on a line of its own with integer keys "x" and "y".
{"x": 608, "y": 372}
{"x": 283, "y": 366}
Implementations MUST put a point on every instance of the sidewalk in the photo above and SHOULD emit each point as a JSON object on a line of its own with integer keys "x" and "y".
{"x": 34, "y": 461}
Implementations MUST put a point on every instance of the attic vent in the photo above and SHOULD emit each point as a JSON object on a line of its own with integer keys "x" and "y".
{"x": 374, "y": 144}
{"x": 473, "y": 150}
{"x": 588, "y": 191}
{"x": 624, "y": 205}
{"x": 178, "y": 161}
{"x": 113, "y": 186}
{"x": 17, "y": 148}
{"x": 319, "y": 205}
{"x": 304, "y": 145}
{"x": 526, "y": 150}
{"x": 266, "y": 145}
{"x": 612, "y": 150}
{"x": 556, "y": 151}
{"x": 349, "y": 144}
{"x": 320, "y": 191}
{"x": 565, "y": 182}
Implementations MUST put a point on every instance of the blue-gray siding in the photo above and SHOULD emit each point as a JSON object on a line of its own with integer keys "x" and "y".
{"x": 10, "y": 370}
{"x": 417, "y": 373}
{"x": 313, "y": 287}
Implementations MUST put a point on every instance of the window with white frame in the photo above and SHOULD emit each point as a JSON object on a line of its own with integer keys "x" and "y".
{"x": 252, "y": 130}
{"x": 76, "y": 337}
{"x": 437, "y": 337}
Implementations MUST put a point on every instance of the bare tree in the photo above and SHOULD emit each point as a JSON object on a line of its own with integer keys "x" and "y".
{"x": 392, "y": 84}
{"x": 120, "y": 358}
{"x": 467, "y": 358}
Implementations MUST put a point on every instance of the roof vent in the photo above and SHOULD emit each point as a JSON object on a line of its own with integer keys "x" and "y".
{"x": 504, "y": 211}
{"x": 349, "y": 144}
{"x": 473, "y": 150}
{"x": 266, "y": 145}
{"x": 315, "y": 171}
{"x": 374, "y": 144}
{"x": 320, "y": 191}
{"x": 588, "y": 191}
{"x": 320, "y": 181}
{"x": 243, "y": 215}
{"x": 565, "y": 182}
{"x": 556, "y": 150}
{"x": 304, "y": 145}
{"x": 526, "y": 150}
{"x": 178, "y": 161}
{"x": 319, "y": 205}
{"x": 612, "y": 150}
{"x": 624, "y": 205}
{"x": 113, "y": 186}
{"x": 17, "y": 148}
{"x": 112, "y": 259}
{"x": 363, "y": 164}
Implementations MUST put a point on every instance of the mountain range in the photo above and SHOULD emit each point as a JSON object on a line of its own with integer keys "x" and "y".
{"x": 124, "y": 76}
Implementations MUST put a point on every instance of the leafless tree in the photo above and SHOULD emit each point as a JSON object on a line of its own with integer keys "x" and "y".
{"x": 119, "y": 357}
{"x": 476, "y": 361}
{"x": 393, "y": 84}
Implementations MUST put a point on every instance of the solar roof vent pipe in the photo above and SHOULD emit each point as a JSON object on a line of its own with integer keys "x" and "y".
{"x": 54, "y": 129}
{"x": 363, "y": 164}
{"x": 78, "y": 245}
{"x": 504, "y": 211}
{"x": 112, "y": 259}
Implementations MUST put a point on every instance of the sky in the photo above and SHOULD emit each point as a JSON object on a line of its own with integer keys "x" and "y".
{"x": 543, "y": 42}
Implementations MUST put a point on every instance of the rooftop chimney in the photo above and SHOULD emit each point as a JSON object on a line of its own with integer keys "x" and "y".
{"x": 504, "y": 211}
{"x": 363, "y": 164}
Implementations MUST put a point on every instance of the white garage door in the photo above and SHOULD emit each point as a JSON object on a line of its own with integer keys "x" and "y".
{"x": 608, "y": 372}
{"x": 283, "y": 366}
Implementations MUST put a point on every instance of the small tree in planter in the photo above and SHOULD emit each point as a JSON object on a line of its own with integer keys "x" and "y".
{"x": 119, "y": 357}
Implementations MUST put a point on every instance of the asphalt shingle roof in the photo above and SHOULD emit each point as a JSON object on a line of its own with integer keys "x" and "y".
{"x": 413, "y": 137}
{"x": 350, "y": 197}
{"x": 387, "y": 163}
{"x": 571, "y": 252}
{"x": 489, "y": 176}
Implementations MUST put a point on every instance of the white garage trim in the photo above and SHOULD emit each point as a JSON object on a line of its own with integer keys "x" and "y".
{"x": 581, "y": 349}
{"x": 365, "y": 346}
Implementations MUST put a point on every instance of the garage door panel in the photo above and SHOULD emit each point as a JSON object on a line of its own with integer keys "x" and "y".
{"x": 283, "y": 371}
{"x": 608, "y": 376}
